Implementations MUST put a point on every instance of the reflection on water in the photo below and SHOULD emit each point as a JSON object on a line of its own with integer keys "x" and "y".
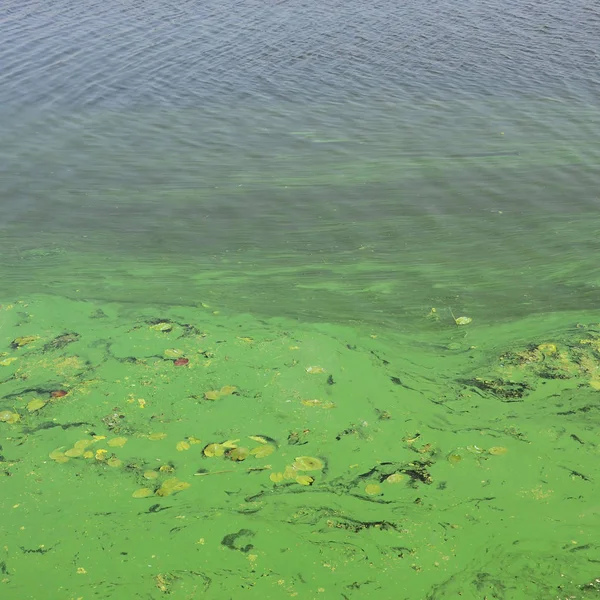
{"x": 305, "y": 292}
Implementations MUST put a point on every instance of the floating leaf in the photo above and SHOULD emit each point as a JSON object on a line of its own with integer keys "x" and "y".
{"x": 9, "y": 417}
{"x": 35, "y": 405}
{"x": 290, "y": 472}
{"x": 23, "y": 341}
{"x": 58, "y": 393}
{"x": 150, "y": 475}
{"x": 276, "y": 477}
{"x": 230, "y": 444}
{"x": 372, "y": 489}
{"x": 462, "y": 320}
{"x": 113, "y": 461}
{"x": 74, "y": 452}
{"x": 101, "y": 454}
{"x": 142, "y": 493}
{"x": 88, "y": 454}
{"x": 83, "y": 444}
{"x": 262, "y": 451}
{"x": 308, "y": 463}
{"x": 166, "y": 469}
{"x": 311, "y": 402}
{"x": 238, "y": 454}
{"x": 8, "y": 361}
{"x": 157, "y": 436}
{"x": 58, "y": 455}
{"x": 193, "y": 440}
{"x": 259, "y": 439}
{"x": 117, "y": 442}
{"x": 454, "y": 458}
{"x": 181, "y": 446}
{"x": 315, "y": 370}
{"x": 173, "y": 353}
{"x": 171, "y": 486}
{"x": 304, "y": 479}
{"x": 248, "y": 340}
{"x": 212, "y": 395}
{"x": 181, "y": 362}
{"x": 214, "y": 450}
{"x": 318, "y": 403}
{"x": 164, "y": 327}
{"x": 394, "y": 478}
{"x": 181, "y": 485}
{"x": 497, "y": 450}
{"x": 226, "y": 390}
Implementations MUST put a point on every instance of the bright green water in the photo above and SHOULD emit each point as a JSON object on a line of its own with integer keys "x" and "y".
{"x": 494, "y": 455}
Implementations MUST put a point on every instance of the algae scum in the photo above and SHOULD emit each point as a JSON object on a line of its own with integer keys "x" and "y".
{"x": 178, "y": 451}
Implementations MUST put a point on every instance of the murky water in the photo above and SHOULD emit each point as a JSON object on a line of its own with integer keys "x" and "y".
{"x": 306, "y": 197}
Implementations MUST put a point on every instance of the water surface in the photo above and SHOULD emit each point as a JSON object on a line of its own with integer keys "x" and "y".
{"x": 301, "y": 200}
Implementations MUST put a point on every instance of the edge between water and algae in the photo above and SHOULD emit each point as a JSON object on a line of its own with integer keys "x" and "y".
{"x": 185, "y": 451}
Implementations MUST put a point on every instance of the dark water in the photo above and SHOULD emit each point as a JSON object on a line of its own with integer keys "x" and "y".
{"x": 300, "y": 199}
{"x": 90, "y": 55}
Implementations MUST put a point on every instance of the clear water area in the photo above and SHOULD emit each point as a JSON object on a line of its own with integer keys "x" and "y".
{"x": 299, "y": 301}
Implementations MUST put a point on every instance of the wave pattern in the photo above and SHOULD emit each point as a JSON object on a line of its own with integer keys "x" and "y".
{"x": 88, "y": 53}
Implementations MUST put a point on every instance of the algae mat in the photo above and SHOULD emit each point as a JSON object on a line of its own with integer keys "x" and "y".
{"x": 153, "y": 451}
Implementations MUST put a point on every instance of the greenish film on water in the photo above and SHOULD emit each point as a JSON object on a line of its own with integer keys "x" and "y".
{"x": 406, "y": 419}
{"x": 299, "y": 300}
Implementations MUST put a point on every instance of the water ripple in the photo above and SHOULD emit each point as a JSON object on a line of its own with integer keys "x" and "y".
{"x": 89, "y": 53}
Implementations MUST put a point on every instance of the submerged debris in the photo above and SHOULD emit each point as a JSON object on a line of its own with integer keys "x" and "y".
{"x": 61, "y": 341}
{"x": 508, "y": 390}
